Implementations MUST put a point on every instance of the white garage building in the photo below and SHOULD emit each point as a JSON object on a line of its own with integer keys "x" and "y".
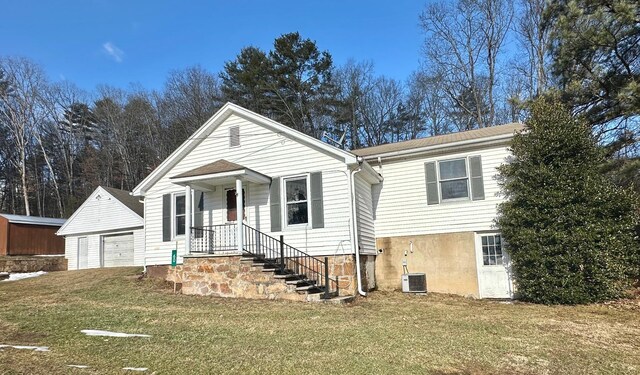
{"x": 106, "y": 231}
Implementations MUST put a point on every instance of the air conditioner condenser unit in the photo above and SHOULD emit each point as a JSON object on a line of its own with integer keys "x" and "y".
{"x": 414, "y": 283}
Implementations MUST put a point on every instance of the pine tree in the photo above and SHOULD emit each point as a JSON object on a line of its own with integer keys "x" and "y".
{"x": 570, "y": 231}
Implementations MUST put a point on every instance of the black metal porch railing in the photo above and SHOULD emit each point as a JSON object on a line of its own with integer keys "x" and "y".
{"x": 214, "y": 239}
{"x": 288, "y": 259}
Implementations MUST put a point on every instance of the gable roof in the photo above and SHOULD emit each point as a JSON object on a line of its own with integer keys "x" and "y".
{"x": 34, "y": 220}
{"x": 122, "y": 198}
{"x": 419, "y": 144}
{"x": 217, "y": 166}
{"x": 208, "y": 127}
{"x": 127, "y": 199}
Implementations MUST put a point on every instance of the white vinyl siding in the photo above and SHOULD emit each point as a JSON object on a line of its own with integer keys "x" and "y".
{"x": 401, "y": 204}
{"x": 364, "y": 209}
{"x": 269, "y": 153}
{"x": 99, "y": 213}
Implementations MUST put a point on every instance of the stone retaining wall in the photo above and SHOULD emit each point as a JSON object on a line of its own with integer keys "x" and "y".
{"x": 14, "y": 264}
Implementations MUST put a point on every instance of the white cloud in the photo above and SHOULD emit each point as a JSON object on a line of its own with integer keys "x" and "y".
{"x": 112, "y": 50}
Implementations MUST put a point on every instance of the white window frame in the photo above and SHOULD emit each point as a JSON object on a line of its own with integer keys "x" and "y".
{"x": 503, "y": 256}
{"x": 285, "y": 218}
{"x": 174, "y": 227}
{"x": 467, "y": 178}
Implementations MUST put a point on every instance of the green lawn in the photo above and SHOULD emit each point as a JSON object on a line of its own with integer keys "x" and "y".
{"x": 387, "y": 333}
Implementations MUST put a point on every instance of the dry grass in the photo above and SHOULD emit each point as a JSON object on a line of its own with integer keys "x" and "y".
{"x": 384, "y": 333}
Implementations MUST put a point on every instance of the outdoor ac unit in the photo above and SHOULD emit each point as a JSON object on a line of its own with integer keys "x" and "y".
{"x": 414, "y": 283}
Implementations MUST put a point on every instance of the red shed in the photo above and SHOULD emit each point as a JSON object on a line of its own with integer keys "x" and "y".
{"x": 30, "y": 235}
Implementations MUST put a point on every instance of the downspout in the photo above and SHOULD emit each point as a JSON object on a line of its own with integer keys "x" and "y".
{"x": 354, "y": 227}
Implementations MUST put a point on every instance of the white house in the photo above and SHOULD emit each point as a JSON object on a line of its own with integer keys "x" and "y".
{"x": 105, "y": 231}
{"x": 318, "y": 217}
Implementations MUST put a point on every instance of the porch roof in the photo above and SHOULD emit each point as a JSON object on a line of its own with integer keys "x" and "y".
{"x": 217, "y": 173}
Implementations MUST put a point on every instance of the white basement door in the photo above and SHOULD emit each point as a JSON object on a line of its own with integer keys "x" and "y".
{"x": 117, "y": 250}
{"x": 494, "y": 271}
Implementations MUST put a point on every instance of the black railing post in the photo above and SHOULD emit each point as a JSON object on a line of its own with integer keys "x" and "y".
{"x": 281, "y": 253}
{"x": 326, "y": 277}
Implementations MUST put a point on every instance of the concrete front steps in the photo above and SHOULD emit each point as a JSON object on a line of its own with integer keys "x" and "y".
{"x": 248, "y": 277}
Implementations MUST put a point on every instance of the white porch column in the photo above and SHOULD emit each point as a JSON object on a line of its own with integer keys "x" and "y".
{"x": 239, "y": 215}
{"x": 187, "y": 219}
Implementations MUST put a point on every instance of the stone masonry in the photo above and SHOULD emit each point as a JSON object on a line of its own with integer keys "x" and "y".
{"x": 229, "y": 276}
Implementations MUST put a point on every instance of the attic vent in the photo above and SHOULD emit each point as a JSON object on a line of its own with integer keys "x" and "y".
{"x": 234, "y": 136}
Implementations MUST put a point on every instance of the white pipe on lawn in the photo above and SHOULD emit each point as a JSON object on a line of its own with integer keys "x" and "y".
{"x": 354, "y": 230}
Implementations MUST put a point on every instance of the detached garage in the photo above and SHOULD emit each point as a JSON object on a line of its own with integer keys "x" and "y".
{"x": 106, "y": 231}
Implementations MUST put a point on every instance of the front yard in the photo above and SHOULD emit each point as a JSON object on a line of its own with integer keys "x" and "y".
{"x": 385, "y": 333}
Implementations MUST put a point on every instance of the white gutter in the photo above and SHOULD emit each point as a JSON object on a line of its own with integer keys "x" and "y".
{"x": 354, "y": 229}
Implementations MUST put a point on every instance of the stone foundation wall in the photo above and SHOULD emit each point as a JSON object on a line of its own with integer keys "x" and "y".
{"x": 18, "y": 263}
{"x": 228, "y": 276}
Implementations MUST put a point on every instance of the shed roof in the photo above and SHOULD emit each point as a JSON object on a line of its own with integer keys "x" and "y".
{"x": 34, "y": 220}
{"x": 440, "y": 140}
{"x": 125, "y": 197}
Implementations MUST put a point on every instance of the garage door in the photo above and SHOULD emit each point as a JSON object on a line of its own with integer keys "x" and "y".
{"x": 117, "y": 250}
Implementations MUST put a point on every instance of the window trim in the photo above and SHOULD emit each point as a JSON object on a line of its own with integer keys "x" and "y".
{"x": 285, "y": 203}
{"x": 502, "y": 253}
{"x": 467, "y": 178}
{"x": 174, "y": 227}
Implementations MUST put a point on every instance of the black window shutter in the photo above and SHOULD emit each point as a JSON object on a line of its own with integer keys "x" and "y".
{"x": 477, "y": 183}
{"x": 166, "y": 217}
{"x": 433, "y": 197}
{"x": 198, "y": 212}
{"x": 274, "y": 201}
{"x": 317, "y": 207}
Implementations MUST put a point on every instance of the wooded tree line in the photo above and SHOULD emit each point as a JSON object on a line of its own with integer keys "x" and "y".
{"x": 483, "y": 60}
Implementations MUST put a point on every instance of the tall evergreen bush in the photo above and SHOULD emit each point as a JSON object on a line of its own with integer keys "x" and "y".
{"x": 570, "y": 232}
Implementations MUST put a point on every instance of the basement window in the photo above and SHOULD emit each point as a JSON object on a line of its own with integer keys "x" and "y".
{"x": 492, "y": 250}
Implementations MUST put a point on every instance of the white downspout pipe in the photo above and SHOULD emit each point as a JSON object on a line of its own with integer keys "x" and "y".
{"x": 354, "y": 229}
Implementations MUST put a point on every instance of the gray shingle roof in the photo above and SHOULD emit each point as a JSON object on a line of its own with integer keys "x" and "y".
{"x": 125, "y": 197}
{"x": 440, "y": 140}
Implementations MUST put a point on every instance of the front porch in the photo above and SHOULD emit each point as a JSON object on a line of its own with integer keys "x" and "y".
{"x": 226, "y": 256}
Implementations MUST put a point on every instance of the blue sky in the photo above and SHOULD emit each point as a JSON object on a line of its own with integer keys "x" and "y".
{"x": 95, "y": 42}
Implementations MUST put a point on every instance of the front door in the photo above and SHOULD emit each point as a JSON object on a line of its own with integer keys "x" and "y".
{"x": 494, "y": 271}
{"x": 232, "y": 207}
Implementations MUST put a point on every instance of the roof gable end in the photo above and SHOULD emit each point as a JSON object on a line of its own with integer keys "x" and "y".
{"x": 215, "y": 121}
